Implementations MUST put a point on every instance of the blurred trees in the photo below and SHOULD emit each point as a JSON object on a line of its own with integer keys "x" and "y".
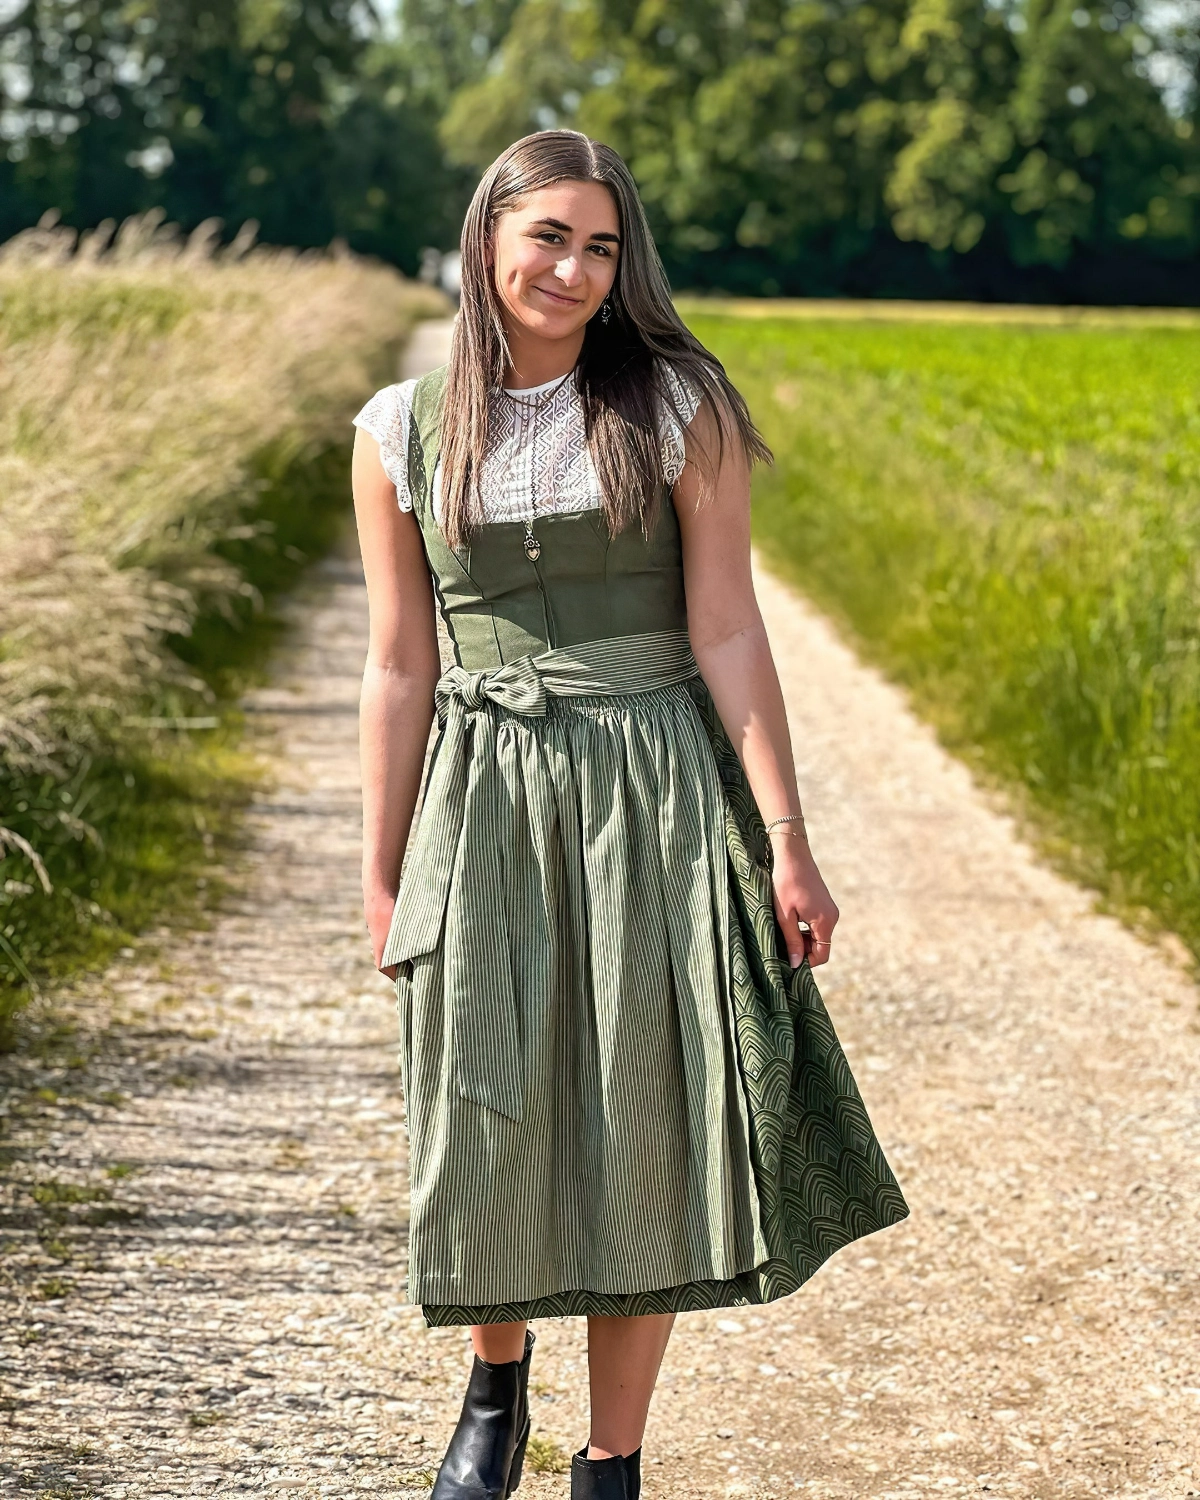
{"x": 282, "y": 111}
{"x": 886, "y": 146}
{"x": 996, "y": 148}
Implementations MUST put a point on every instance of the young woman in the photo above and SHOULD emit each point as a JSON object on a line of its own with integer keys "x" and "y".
{"x": 625, "y": 1098}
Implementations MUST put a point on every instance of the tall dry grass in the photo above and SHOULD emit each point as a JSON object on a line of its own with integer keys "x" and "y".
{"x": 162, "y": 404}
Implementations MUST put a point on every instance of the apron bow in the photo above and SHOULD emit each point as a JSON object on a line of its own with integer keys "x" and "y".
{"x": 453, "y": 851}
{"x": 517, "y": 686}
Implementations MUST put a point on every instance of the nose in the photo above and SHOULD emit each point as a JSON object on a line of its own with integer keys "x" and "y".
{"x": 568, "y": 271}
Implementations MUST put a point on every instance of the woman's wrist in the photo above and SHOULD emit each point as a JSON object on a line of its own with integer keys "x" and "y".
{"x": 787, "y": 849}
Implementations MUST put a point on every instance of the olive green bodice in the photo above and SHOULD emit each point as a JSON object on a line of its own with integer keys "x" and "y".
{"x": 585, "y": 585}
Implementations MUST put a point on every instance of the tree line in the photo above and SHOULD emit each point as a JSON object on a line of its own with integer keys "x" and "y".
{"x": 1006, "y": 149}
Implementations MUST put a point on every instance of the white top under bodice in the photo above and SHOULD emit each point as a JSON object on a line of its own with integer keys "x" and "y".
{"x": 539, "y": 456}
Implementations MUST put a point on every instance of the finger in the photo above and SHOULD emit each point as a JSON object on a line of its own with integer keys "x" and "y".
{"x": 797, "y": 941}
{"x": 822, "y": 925}
{"x": 789, "y": 926}
{"x": 819, "y": 949}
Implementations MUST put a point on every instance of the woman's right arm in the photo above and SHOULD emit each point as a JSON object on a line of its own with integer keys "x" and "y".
{"x": 396, "y": 707}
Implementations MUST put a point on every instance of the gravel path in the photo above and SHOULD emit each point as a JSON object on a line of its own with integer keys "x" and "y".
{"x": 202, "y": 1228}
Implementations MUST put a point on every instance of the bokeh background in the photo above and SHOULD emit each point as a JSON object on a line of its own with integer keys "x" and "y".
{"x": 950, "y": 251}
{"x": 1031, "y": 150}
{"x": 903, "y": 225}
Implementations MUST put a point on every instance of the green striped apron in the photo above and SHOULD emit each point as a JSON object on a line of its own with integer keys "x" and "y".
{"x": 620, "y": 1097}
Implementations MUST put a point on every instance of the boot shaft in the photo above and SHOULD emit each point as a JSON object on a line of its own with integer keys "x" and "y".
{"x": 485, "y": 1455}
{"x": 606, "y": 1478}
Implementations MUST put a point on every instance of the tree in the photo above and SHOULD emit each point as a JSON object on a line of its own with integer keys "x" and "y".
{"x": 280, "y": 111}
{"x": 895, "y": 145}
{"x": 995, "y": 148}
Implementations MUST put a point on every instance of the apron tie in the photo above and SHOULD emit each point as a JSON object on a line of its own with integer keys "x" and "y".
{"x": 517, "y": 686}
{"x": 450, "y": 851}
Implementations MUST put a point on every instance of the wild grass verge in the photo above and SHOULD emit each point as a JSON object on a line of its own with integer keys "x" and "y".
{"x": 173, "y": 447}
{"x": 1007, "y": 520}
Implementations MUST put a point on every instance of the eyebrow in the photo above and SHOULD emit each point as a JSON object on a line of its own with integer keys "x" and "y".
{"x": 614, "y": 239}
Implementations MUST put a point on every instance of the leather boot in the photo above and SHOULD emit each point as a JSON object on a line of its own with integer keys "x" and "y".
{"x": 487, "y": 1451}
{"x": 606, "y": 1478}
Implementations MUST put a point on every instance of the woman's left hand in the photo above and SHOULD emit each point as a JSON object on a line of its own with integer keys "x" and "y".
{"x": 802, "y": 896}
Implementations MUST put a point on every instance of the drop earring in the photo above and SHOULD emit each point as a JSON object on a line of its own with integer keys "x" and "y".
{"x": 605, "y": 312}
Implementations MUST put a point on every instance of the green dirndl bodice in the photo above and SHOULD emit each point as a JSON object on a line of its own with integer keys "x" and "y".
{"x": 620, "y": 1097}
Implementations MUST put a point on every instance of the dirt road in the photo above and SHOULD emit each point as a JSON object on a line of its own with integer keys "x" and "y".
{"x": 202, "y": 1239}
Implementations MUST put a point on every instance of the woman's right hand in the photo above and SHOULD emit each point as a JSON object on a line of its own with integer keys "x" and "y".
{"x": 378, "y": 906}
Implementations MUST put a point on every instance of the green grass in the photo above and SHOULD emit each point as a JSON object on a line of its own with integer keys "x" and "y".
{"x": 142, "y": 829}
{"x": 1007, "y": 519}
{"x": 544, "y": 1456}
{"x": 174, "y": 450}
{"x": 32, "y": 306}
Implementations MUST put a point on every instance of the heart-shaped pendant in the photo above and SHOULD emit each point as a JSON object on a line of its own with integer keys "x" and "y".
{"x": 533, "y": 548}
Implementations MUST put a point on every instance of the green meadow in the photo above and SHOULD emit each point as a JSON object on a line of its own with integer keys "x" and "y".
{"x": 1004, "y": 513}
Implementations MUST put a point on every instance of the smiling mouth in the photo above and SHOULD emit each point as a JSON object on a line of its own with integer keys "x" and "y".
{"x": 558, "y": 297}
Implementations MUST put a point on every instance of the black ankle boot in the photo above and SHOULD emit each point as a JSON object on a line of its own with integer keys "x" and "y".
{"x": 487, "y": 1451}
{"x": 606, "y": 1478}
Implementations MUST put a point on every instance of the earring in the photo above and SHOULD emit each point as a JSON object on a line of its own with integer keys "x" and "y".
{"x": 605, "y": 312}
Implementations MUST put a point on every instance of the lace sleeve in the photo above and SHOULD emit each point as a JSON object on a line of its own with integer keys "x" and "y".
{"x": 386, "y": 417}
{"x": 680, "y": 406}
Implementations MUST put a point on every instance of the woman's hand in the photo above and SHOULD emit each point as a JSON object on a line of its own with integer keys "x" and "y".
{"x": 378, "y": 905}
{"x": 801, "y": 896}
{"x": 731, "y": 648}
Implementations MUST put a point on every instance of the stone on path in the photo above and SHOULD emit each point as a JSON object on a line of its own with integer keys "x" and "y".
{"x": 203, "y": 1220}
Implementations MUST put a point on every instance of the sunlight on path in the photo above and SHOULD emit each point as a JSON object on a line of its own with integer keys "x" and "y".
{"x": 230, "y": 1319}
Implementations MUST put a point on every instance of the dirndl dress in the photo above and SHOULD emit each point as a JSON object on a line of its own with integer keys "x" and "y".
{"x": 620, "y": 1097}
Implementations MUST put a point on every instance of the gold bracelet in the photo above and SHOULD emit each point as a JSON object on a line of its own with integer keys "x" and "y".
{"x": 800, "y": 832}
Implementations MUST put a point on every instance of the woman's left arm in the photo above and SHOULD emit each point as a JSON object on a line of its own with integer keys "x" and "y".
{"x": 730, "y": 645}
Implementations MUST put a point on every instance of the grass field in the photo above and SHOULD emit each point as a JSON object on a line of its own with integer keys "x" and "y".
{"x": 174, "y": 440}
{"x": 1006, "y": 516}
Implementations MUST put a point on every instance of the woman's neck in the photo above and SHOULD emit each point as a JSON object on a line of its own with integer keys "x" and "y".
{"x": 536, "y": 361}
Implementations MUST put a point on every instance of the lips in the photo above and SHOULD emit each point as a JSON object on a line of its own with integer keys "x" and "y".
{"x": 558, "y": 297}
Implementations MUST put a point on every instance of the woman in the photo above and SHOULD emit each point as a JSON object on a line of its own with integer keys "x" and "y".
{"x": 624, "y": 1096}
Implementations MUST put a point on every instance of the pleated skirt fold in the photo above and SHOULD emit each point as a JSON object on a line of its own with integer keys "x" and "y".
{"x": 678, "y": 1126}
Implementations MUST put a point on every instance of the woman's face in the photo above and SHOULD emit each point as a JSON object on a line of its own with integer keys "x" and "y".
{"x": 555, "y": 257}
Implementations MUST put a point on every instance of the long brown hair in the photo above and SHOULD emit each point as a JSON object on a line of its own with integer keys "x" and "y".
{"x": 619, "y": 376}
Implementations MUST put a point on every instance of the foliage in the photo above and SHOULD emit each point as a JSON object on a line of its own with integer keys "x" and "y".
{"x": 1007, "y": 519}
{"x": 290, "y": 115}
{"x": 448, "y": 47}
{"x": 544, "y": 1456}
{"x": 884, "y": 148}
{"x": 172, "y": 450}
{"x": 999, "y": 148}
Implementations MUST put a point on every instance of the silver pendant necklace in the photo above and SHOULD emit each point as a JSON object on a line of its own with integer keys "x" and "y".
{"x": 532, "y": 409}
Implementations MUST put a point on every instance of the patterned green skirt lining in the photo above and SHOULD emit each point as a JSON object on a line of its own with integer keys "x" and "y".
{"x": 821, "y": 1177}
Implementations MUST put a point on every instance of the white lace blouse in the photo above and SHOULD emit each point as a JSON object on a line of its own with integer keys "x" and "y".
{"x": 539, "y": 460}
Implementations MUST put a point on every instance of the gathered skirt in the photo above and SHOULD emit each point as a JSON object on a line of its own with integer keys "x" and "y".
{"x": 620, "y": 1097}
